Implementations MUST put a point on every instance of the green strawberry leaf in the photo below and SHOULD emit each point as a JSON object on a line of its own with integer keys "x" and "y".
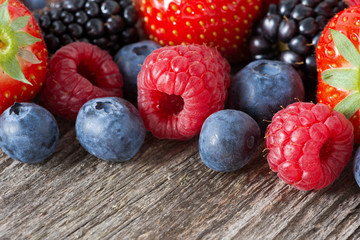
{"x": 28, "y": 56}
{"x": 349, "y": 105}
{"x": 20, "y": 23}
{"x": 343, "y": 78}
{"x": 346, "y": 48}
{"x": 4, "y": 13}
{"x": 25, "y": 39}
{"x": 12, "y": 42}
{"x": 13, "y": 69}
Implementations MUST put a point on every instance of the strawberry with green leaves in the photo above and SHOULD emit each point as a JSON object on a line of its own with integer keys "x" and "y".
{"x": 338, "y": 62}
{"x": 23, "y": 54}
{"x": 223, "y": 24}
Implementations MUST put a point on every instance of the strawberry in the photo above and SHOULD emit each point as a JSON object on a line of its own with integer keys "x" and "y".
{"x": 338, "y": 62}
{"x": 23, "y": 54}
{"x": 223, "y": 24}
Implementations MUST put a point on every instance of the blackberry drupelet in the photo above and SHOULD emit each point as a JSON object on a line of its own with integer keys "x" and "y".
{"x": 109, "y": 24}
{"x": 290, "y": 31}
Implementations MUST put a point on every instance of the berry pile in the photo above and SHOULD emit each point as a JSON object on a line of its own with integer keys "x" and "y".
{"x": 109, "y": 24}
{"x": 180, "y": 90}
{"x": 290, "y": 31}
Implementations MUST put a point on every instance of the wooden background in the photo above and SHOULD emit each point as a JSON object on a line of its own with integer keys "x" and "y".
{"x": 165, "y": 192}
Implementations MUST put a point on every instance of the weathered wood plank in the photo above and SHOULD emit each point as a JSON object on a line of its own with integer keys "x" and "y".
{"x": 165, "y": 192}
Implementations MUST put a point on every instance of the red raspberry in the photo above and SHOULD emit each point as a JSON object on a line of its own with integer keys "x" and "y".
{"x": 77, "y": 73}
{"x": 179, "y": 87}
{"x": 309, "y": 144}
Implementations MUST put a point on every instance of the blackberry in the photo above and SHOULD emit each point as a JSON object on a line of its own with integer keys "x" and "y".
{"x": 109, "y": 24}
{"x": 290, "y": 31}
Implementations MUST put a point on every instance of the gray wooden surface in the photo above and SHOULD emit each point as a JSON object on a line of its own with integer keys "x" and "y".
{"x": 165, "y": 192}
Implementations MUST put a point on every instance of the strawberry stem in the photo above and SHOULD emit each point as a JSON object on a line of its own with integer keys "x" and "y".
{"x": 12, "y": 41}
{"x": 9, "y": 46}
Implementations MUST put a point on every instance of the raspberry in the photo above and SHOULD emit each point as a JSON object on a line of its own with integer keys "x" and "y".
{"x": 309, "y": 145}
{"x": 79, "y": 72}
{"x": 179, "y": 87}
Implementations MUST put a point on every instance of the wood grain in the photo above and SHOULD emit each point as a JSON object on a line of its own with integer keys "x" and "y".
{"x": 165, "y": 192}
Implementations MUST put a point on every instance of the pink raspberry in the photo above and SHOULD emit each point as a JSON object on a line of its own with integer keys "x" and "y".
{"x": 179, "y": 87}
{"x": 309, "y": 145}
{"x": 77, "y": 73}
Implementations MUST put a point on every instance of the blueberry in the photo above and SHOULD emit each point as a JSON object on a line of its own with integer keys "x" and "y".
{"x": 356, "y": 166}
{"x": 35, "y": 4}
{"x": 110, "y": 128}
{"x": 129, "y": 59}
{"x": 28, "y": 132}
{"x": 262, "y": 87}
{"x": 228, "y": 139}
